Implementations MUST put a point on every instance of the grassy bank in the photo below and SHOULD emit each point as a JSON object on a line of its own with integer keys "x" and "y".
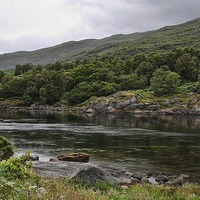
{"x": 51, "y": 188}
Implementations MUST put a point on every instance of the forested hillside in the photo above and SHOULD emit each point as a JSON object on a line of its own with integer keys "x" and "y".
{"x": 164, "y": 39}
{"x": 72, "y": 83}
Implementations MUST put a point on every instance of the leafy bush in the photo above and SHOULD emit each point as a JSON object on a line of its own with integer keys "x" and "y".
{"x": 6, "y": 148}
{"x": 16, "y": 168}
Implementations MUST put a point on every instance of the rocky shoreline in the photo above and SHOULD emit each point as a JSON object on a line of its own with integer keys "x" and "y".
{"x": 77, "y": 166}
{"x": 126, "y": 103}
{"x": 115, "y": 175}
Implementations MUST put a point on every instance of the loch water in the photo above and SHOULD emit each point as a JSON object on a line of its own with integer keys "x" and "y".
{"x": 138, "y": 143}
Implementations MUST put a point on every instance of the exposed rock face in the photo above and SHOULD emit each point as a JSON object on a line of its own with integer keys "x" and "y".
{"x": 76, "y": 157}
{"x": 92, "y": 173}
{"x": 122, "y": 103}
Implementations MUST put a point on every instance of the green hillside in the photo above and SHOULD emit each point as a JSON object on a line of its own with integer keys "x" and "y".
{"x": 164, "y": 39}
{"x": 64, "y": 52}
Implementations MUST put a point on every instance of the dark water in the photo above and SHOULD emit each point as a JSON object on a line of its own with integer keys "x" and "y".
{"x": 155, "y": 143}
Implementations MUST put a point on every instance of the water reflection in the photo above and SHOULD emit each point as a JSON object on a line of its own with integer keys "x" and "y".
{"x": 170, "y": 143}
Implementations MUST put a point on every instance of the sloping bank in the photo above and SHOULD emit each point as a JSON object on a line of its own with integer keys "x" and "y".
{"x": 137, "y": 102}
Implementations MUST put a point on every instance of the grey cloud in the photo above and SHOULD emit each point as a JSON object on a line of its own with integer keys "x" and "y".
{"x": 107, "y": 17}
{"x": 142, "y": 15}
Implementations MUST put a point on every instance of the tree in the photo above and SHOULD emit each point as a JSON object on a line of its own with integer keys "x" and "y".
{"x": 1, "y": 75}
{"x": 157, "y": 59}
{"x": 158, "y": 81}
{"x": 103, "y": 74}
{"x": 75, "y": 96}
{"x": 39, "y": 68}
{"x": 26, "y": 67}
{"x": 49, "y": 94}
{"x": 146, "y": 69}
{"x": 18, "y": 70}
{"x": 129, "y": 82}
{"x": 107, "y": 88}
{"x": 172, "y": 82}
{"x": 43, "y": 95}
{"x": 164, "y": 81}
{"x": 139, "y": 58}
{"x": 12, "y": 86}
{"x": 187, "y": 67}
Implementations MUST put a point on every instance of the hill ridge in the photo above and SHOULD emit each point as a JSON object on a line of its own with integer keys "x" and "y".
{"x": 186, "y": 34}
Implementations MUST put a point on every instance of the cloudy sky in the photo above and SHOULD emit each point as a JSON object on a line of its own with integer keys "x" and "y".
{"x": 34, "y": 24}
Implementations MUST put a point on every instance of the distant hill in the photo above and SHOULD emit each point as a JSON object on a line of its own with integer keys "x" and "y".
{"x": 67, "y": 51}
{"x": 164, "y": 39}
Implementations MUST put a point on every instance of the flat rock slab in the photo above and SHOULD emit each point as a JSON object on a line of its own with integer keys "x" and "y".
{"x": 70, "y": 169}
{"x": 56, "y": 168}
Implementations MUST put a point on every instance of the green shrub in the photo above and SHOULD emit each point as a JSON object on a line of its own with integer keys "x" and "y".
{"x": 6, "y": 148}
{"x": 16, "y": 168}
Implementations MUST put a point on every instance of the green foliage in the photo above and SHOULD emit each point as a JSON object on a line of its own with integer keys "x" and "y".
{"x": 6, "y": 148}
{"x": 172, "y": 82}
{"x": 1, "y": 75}
{"x": 133, "y": 82}
{"x": 164, "y": 82}
{"x": 18, "y": 70}
{"x": 146, "y": 69}
{"x": 47, "y": 86}
{"x": 158, "y": 81}
{"x": 16, "y": 168}
{"x": 188, "y": 67}
{"x": 103, "y": 76}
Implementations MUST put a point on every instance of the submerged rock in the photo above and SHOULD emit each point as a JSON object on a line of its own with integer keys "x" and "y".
{"x": 76, "y": 157}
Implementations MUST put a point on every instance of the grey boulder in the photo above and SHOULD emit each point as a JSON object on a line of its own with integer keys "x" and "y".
{"x": 91, "y": 173}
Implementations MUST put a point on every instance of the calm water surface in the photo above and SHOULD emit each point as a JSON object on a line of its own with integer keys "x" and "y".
{"x": 155, "y": 143}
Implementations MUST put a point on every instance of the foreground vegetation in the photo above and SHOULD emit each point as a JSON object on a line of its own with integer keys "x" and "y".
{"x": 51, "y": 189}
{"x": 17, "y": 181}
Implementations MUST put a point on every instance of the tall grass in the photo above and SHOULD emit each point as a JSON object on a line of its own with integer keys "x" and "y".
{"x": 52, "y": 189}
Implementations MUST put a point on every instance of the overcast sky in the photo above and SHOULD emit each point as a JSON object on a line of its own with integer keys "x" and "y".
{"x": 34, "y": 24}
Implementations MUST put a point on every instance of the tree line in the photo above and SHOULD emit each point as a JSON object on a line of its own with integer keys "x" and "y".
{"x": 75, "y": 82}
